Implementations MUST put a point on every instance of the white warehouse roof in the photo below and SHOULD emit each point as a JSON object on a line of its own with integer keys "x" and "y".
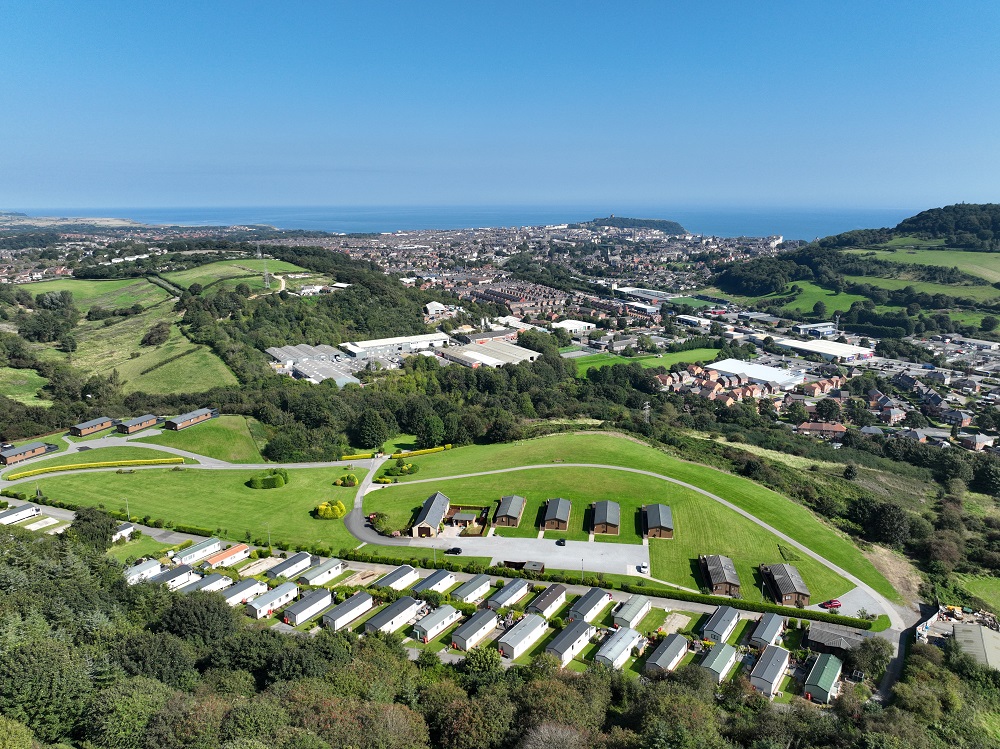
{"x": 760, "y": 373}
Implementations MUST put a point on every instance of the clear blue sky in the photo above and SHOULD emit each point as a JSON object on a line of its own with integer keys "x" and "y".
{"x": 786, "y": 104}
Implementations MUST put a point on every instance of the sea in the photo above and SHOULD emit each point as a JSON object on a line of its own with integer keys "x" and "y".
{"x": 791, "y": 223}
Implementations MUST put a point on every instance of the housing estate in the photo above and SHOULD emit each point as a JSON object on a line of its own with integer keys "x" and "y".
{"x": 785, "y": 584}
{"x": 519, "y": 638}
{"x": 394, "y": 616}
{"x": 659, "y": 521}
{"x": 668, "y": 654}
{"x": 191, "y": 418}
{"x": 770, "y": 670}
{"x": 567, "y": 644}
{"x": 350, "y": 610}
{"x": 431, "y": 517}
{"x": 607, "y": 517}
{"x": 618, "y": 647}
{"x": 474, "y": 631}
{"x": 557, "y": 513}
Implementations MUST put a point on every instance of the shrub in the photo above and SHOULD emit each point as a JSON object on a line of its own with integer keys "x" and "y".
{"x": 106, "y": 464}
{"x": 348, "y": 479}
{"x": 382, "y": 480}
{"x": 359, "y": 456}
{"x": 273, "y": 478}
{"x": 330, "y": 510}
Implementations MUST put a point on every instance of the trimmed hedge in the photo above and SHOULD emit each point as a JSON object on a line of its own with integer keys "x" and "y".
{"x": 646, "y": 590}
{"x": 104, "y": 464}
{"x": 426, "y": 451}
{"x": 359, "y": 456}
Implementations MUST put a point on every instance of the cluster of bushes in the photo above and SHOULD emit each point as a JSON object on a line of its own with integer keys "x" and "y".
{"x": 272, "y": 478}
{"x": 348, "y": 479}
{"x": 384, "y": 480}
{"x": 330, "y": 510}
{"x": 401, "y": 468}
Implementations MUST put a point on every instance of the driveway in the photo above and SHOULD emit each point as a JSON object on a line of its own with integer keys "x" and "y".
{"x": 622, "y": 559}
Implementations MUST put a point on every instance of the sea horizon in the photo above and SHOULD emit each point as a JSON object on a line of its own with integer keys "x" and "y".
{"x": 791, "y": 223}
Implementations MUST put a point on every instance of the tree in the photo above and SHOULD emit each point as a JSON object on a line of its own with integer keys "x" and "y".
{"x": 14, "y": 735}
{"x": 94, "y": 527}
{"x": 118, "y": 715}
{"x": 989, "y": 324}
{"x": 44, "y": 685}
{"x": 202, "y": 618}
{"x": 828, "y": 410}
{"x": 819, "y": 309}
{"x": 797, "y": 413}
{"x": 851, "y": 472}
{"x": 871, "y": 656}
{"x": 371, "y": 431}
{"x": 430, "y": 431}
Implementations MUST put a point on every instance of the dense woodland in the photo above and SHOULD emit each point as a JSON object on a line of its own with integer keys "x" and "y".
{"x": 89, "y": 662}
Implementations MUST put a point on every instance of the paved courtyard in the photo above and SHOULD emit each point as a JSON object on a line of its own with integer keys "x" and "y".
{"x": 595, "y": 557}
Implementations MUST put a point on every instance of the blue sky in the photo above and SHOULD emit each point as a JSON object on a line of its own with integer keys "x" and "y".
{"x": 792, "y": 104}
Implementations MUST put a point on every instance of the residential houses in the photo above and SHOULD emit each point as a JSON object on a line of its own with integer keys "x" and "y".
{"x": 394, "y": 616}
{"x": 431, "y": 516}
{"x": 557, "y": 512}
{"x": 668, "y": 654}
{"x": 348, "y": 611}
{"x": 659, "y": 521}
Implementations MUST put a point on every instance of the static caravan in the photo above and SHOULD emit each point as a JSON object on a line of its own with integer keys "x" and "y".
{"x": 310, "y": 605}
{"x": 227, "y": 557}
{"x": 137, "y": 424}
{"x": 209, "y": 584}
{"x": 177, "y": 577}
{"x": 191, "y": 418}
{"x": 123, "y": 532}
{"x": 519, "y": 638}
{"x": 574, "y": 638}
{"x": 323, "y": 573}
{"x": 472, "y": 590}
{"x": 589, "y": 605}
{"x": 394, "y": 616}
{"x": 770, "y": 670}
{"x": 767, "y": 631}
{"x": 438, "y": 581}
{"x": 821, "y": 684}
{"x": 436, "y": 622}
{"x": 199, "y": 551}
{"x": 292, "y": 566}
{"x": 474, "y": 631}
{"x": 13, "y": 455}
{"x": 509, "y": 594}
{"x": 143, "y": 571}
{"x": 548, "y": 601}
{"x": 19, "y": 513}
{"x": 719, "y": 660}
{"x": 267, "y": 603}
{"x": 721, "y": 624}
{"x": 243, "y": 591}
{"x": 632, "y": 612}
{"x": 350, "y": 610}
{"x": 89, "y": 427}
{"x": 400, "y": 578}
{"x": 668, "y": 654}
{"x": 618, "y": 647}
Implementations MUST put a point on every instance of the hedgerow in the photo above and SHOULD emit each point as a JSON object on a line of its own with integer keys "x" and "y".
{"x": 104, "y": 464}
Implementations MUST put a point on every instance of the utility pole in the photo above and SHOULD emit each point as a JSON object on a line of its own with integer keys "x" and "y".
{"x": 128, "y": 515}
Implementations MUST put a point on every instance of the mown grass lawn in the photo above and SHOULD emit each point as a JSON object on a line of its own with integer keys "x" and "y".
{"x": 225, "y": 438}
{"x": 144, "y": 546}
{"x": 100, "y": 455}
{"x": 226, "y": 269}
{"x": 703, "y": 526}
{"x": 596, "y": 361}
{"x": 23, "y": 385}
{"x": 987, "y": 588}
{"x": 115, "y": 293}
{"x": 793, "y": 519}
{"x": 218, "y": 500}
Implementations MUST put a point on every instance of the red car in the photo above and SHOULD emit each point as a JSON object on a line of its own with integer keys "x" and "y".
{"x": 831, "y": 604}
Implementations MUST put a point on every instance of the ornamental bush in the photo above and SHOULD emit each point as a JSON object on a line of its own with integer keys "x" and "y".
{"x": 330, "y": 510}
{"x": 348, "y": 479}
{"x": 273, "y": 478}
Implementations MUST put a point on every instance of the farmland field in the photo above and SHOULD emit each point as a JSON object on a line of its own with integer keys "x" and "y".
{"x": 23, "y": 385}
{"x": 703, "y": 525}
{"x": 226, "y": 438}
{"x": 111, "y": 294}
{"x": 782, "y": 513}
{"x": 811, "y": 293}
{"x": 595, "y": 361}
{"x": 983, "y": 264}
{"x": 244, "y": 270}
{"x": 219, "y": 500}
{"x": 979, "y": 293}
{"x": 100, "y": 455}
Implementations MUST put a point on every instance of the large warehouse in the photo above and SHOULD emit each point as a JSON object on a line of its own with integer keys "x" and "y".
{"x": 312, "y": 363}
{"x": 489, "y": 354}
{"x": 786, "y": 378}
{"x": 828, "y": 349}
{"x": 406, "y": 344}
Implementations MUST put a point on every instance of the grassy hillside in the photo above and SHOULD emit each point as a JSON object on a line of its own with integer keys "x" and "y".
{"x": 787, "y": 516}
{"x": 983, "y": 264}
{"x": 218, "y": 499}
{"x": 100, "y": 455}
{"x": 979, "y": 293}
{"x": 226, "y": 438}
{"x": 250, "y": 272}
{"x": 811, "y": 293}
{"x": 23, "y": 385}
{"x": 703, "y": 525}
{"x": 114, "y": 293}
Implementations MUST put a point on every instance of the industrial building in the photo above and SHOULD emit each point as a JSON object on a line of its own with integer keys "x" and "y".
{"x": 313, "y": 364}
{"x": 785, "y": 379}
{"x": 489, "y": 354}
{"x": 829, "y": 350}
{"x": 398, "y": 346}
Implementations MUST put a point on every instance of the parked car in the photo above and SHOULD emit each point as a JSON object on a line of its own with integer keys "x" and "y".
{"x": 561, "y": 542}
{"x": 454, "y": 550}
{"x": 644, "y": 568}
{"x": 833, "y": 603}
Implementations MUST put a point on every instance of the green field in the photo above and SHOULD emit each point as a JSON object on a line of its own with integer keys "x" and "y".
{"x": 787, "y": 516}
{"x": 176, "y": 366}
{"x": 987, "y": 588}
{"x": 226, "y": 438}
{"x": 699, "y": 520}
{"x": 23, "y": 385}
{"x": 595, "y": 361}
{"x": 811, "y": 293}
{"x": 244, "y": 270}
{"x": 113, "y": 293}
{"x": 100, "y": 455}
{"x": 979, "y": 293}
{"x": 218, "y": 500}
{"x": 983, "y": 264}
